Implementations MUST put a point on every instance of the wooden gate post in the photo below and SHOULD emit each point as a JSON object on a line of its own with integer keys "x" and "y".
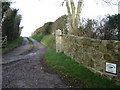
{"x": 58, "y": 40}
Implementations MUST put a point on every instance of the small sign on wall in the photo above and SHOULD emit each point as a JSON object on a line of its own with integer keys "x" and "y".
{"x": 111, "y": 68}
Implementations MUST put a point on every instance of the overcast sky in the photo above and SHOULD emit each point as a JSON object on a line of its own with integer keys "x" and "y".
{"x": 37, "y": 12}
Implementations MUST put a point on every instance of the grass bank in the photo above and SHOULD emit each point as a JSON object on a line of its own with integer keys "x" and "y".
{"x": 75, "y": 74}
{"x": 38, "y": 37}
{"x": 12, "y": 45}
{"x": 47, "y": 40}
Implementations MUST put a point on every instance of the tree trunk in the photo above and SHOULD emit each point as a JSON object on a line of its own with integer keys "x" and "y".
{"x": 73, "y": 15}
{"x": 73, "y": 19}
{"x": 78, "y": 13}
{"x": 69, "y": 16}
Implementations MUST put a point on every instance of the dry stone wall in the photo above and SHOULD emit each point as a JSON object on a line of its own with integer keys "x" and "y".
{"x": 93, "y": 53}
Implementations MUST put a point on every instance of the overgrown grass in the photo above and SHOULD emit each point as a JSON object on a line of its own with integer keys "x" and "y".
{"x": 49, "y": 41}
{"x": 75, "y": 72}
{"x": 38, "y": 37}
{"x": 11, "y": 45}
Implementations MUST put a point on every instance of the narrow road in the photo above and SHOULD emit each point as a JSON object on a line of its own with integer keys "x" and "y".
{"x": 22, "y": 68}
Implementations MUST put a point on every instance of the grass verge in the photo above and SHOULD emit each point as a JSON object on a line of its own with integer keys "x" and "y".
{"x": 12, "y": 45}
{"x": 75, "y": 74}
{"x": 47, "y": 40}
{"x": 38, "y": 37}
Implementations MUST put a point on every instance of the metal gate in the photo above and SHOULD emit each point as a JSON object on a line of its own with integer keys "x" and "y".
{"x": 3, "y": 42}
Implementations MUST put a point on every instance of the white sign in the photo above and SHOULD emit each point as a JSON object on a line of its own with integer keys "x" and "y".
{"x": 111, "y": 68}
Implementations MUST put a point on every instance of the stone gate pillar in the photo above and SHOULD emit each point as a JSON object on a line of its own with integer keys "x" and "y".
{"x": 58, "y": 40}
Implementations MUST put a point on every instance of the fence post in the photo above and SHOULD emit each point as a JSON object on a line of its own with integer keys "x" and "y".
{"x": 58, "y": 40}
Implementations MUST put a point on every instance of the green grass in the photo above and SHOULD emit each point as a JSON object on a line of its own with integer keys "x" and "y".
{"x": 38, "y": 37}
{"x": 47, "y": 40}
{"x": 11, "y": 45}
{"x": 68, "y": 68}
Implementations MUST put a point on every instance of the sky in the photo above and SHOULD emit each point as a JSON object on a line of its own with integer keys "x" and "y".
{"x": 37, "y": 12}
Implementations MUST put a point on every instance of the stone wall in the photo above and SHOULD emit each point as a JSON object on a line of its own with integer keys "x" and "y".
{"x": 93, "y": 53}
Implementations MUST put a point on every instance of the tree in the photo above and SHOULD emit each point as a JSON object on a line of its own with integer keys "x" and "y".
{"x": 60, "y": 23}
{"x": 114, "y": 23}
{"x": 10, "y": 22}
{"x": 89, "y": 28}
{"x": 47, "y": 28}
{"x": 109, "y": 2}
{"x": 5, "y": 7}
{"x": 73, "y": 18}
{"x": 104, "y": 31}
{"x": 16, "y": 25}
{"x": 51, "y": 27}
{"x": 106, "y": 28}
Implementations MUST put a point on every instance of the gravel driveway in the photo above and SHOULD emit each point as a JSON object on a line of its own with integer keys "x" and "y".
{"x": 22, "y": 68}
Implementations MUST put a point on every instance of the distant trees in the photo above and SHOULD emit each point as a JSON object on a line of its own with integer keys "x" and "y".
{"x": 107, "y": 28}
{"x": 10, "y": 21}
{"x": 45, "y": 29}
{"x": 60, "y": 23}
{"x": 87, "y": 29}
{"x": 73, "y": 17}
{"x": 51, "y": 27}
{"x": 113, "y": 24}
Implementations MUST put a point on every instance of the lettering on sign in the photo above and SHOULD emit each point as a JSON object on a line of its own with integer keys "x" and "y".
{"x": 111, "y": 68}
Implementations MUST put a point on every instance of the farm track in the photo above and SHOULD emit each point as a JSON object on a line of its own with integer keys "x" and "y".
{"x": 22, "y": 68}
